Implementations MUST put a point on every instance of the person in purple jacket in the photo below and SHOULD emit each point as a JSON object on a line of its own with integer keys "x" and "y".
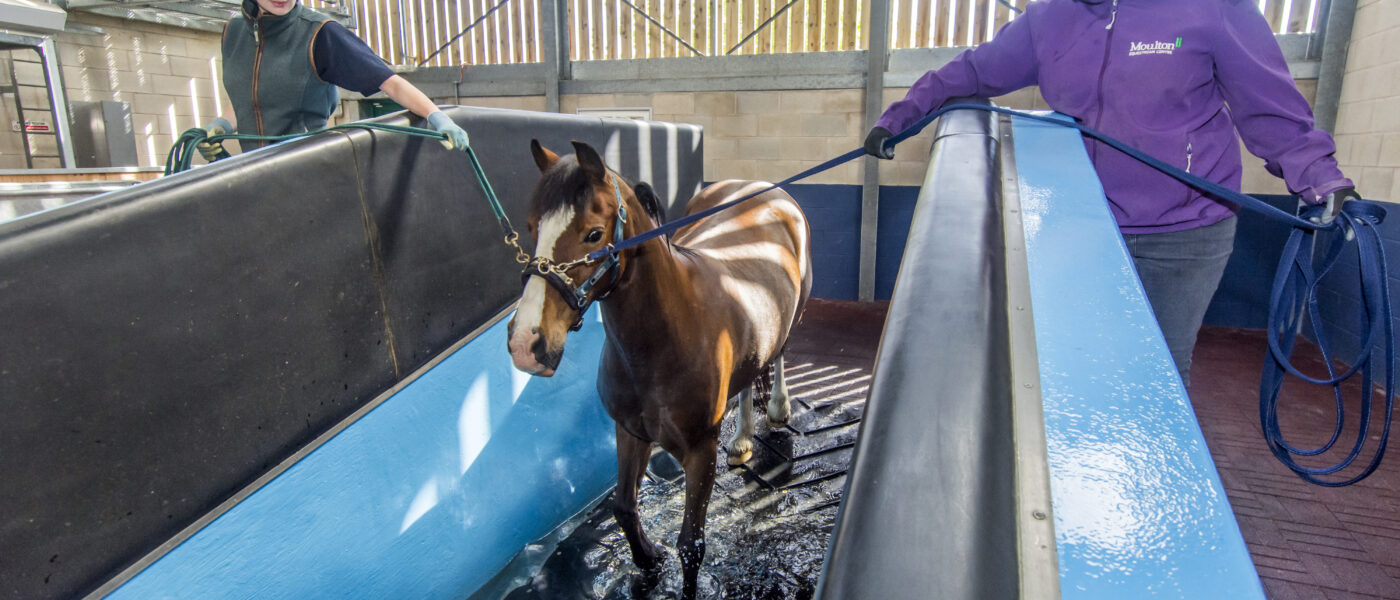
{"x": 1184, "y": 81}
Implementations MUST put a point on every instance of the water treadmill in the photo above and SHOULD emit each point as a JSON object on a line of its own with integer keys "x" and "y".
{"x": 284, "y": 376}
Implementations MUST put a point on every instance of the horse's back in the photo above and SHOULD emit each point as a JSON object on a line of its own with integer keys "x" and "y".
{"x": 770, "y": 217}
{"x": 757, "y": 254}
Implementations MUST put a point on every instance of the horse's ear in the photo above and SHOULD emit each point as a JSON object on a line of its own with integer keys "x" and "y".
{"x": 589, "y": 161}
{"x": 649, "y": 201}
{"x": 543, "y": 157}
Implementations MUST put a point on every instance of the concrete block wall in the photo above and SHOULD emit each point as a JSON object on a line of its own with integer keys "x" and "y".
{"x": 169, "y": 76}
{"x": 755, "y": 135}
{"x": 772, "y": 135}
{"x": 1368, "y": 118}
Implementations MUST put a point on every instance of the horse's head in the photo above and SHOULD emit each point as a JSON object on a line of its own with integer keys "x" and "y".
{"x": 577, "y": 207}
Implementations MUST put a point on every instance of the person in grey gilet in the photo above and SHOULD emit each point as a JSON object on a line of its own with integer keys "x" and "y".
{"x": 283, "y": 65}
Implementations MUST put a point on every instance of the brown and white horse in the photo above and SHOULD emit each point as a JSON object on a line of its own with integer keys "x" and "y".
{"x": 691, "y": 321}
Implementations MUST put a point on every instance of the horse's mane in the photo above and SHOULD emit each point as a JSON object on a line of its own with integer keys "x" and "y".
{"x": 650, "y": 202}
{"x": 565, "y": 183}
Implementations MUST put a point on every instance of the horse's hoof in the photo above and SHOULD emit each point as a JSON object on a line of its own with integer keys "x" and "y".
{"x": 740, "y": 453}
{"x": 777, "y": 421}
{"x": 651, "y": 564}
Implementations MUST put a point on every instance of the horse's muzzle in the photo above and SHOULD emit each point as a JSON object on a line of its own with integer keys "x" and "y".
{"x": 530, "y": 353}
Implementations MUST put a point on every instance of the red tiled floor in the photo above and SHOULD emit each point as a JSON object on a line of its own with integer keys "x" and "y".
{"x": 1307, "y": 541}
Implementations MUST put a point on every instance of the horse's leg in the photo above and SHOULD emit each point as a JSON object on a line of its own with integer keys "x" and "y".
{"x": 779, "y": 410}
{"x": 633, "y": 454}
{"x": 741, "y": 447}
{"x": 699, "y": 464}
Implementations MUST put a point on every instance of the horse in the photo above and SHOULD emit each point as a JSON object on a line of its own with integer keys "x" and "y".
{"x": 691, "y": 321}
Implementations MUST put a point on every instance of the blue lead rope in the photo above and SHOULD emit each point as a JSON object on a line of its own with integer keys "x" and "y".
{"x": 1202, "y": 184}
{"x": 1294, "y": 292}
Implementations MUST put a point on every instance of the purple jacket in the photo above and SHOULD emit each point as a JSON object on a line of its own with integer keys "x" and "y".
{"x": 1158, "y": 75}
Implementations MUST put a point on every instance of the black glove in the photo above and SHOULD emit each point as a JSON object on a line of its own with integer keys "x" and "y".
{"x": 1332, "y": 205}
{"x": 875, "y": 143}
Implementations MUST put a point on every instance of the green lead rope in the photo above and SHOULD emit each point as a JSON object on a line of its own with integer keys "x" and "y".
{"x": 187, "y": 145}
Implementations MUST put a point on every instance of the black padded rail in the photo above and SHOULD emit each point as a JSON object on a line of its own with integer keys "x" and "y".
{"x": 166, "y": 344}
{"x": 929, "y": 505}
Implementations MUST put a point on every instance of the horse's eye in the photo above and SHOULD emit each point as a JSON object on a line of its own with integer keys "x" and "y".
{"x": 594, "y": 236}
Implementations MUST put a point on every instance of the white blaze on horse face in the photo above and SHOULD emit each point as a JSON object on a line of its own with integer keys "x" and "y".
{"x": 529, "y": 313}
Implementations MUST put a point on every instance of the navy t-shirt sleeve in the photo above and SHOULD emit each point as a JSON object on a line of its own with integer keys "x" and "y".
{"x": 346, "y": 61}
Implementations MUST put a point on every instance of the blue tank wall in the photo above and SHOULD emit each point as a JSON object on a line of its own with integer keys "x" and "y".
{"x": 1139, "y": 508}
{"x": 428, "y": 495}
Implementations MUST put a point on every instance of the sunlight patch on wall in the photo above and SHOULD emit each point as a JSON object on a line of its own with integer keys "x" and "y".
{"x": 474, "y": 422}
{"x": 426, "y": 499}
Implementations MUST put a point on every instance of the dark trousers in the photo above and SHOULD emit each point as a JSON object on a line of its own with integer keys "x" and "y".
{"x": 1180, "y": 272}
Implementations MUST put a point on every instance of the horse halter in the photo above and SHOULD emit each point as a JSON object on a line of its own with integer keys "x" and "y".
{"x": 577, "y": 296}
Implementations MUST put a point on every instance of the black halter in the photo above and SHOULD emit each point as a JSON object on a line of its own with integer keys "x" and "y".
{"x": 554, "y": 273}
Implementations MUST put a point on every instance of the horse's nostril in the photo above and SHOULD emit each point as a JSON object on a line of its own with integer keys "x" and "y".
{"x": 535, "y": 330}
{"x": 544, "y": 356}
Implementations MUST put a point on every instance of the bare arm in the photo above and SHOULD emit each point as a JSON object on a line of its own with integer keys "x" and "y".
{"x": 408, "y": 96}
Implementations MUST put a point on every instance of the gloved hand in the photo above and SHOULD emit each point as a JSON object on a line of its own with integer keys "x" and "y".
{"x": 875, "y": 143}
{"x": 1332, "y": 205}
{"x": 456, "y": 136}
{"x": 212, "y": 151}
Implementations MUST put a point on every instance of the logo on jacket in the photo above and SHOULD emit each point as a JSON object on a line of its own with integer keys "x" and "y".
{"x": 1140, "y": 48}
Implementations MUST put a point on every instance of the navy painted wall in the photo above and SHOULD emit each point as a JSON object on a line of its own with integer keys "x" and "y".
{"x": 1343, "y": 313}
{"x": 1243, "y": 297}
{"x": 1242, "y": 300}
{"x": 833, "y": 212}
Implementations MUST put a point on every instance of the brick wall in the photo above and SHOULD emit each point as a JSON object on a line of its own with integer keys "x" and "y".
{"x": 1368, "y": 120}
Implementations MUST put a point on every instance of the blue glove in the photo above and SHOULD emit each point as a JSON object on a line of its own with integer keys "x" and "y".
{"x": 456, "y": 136}
{"x": 215, "y": 151}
